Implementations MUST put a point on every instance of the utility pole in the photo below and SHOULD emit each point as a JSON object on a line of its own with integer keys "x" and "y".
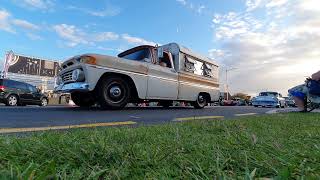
{"x": 227, "y": 86}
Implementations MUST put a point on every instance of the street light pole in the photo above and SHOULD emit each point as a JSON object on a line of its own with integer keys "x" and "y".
{"x": 227, "y": 86}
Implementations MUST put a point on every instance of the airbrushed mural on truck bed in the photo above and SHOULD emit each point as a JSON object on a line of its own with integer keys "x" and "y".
{"x": 160, "y": 74}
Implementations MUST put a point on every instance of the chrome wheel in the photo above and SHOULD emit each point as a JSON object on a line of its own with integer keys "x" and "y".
{"x": 114, "y": 92}
{"x": 44, "y": 102}
{"x": 201, "y": 99}
{"x": 201, "y": 102}
{"x": 12, "y": 100}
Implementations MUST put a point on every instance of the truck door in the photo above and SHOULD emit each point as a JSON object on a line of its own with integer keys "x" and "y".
{"x": 163, "y": 79}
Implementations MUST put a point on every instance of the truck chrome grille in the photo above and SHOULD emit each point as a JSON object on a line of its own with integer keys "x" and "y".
{"x": 67, "y": 77}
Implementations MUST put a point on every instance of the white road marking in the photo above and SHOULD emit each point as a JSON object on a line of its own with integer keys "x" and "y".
{"x": 198, "y": 118}
{"x": 246, "y": 114}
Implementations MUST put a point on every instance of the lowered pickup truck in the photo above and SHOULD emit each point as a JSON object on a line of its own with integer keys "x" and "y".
{"x": 269, "y": 99}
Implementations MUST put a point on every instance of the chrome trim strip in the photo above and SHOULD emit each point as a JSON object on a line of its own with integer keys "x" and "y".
{"x": 197, "y": 85}
{"x": 129, "y": 72}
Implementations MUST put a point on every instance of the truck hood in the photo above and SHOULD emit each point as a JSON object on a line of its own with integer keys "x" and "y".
{"x": 113, "y": 62}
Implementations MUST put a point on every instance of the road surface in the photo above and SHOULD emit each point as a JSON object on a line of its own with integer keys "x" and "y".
{"x": 55, "y": 117}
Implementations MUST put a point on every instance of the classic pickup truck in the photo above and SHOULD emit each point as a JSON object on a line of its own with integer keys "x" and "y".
{"x": 159, "y": 74}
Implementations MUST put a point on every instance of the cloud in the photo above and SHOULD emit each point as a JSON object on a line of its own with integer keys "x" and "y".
{"x": 71, "y": 33}
{"x": 273, "y": 53}
{"x": 253, "y": 4}
{"x": 196, "y": 8}
{"x": 5, "y": 22}
{"x": 75, "y": 36}
{"x": 183, "y": 2}
{"x": 106, "y": 36}
{"x": 109, "y": 10}
{"x": 25, "y": 24}
{"x": 9, "y": 24}
{"x": 136, "y": 40}
{"x": 36, "y": 4}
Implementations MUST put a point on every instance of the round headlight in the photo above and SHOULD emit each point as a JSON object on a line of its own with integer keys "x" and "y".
{"x": 77, "y": 75}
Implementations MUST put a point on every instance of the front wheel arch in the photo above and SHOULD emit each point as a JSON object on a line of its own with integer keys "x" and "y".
{"x": 133, "y": 89}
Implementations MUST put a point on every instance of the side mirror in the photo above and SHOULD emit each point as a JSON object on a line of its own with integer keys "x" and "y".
{"x": 160, "y": 52}
{"x": 38, "y": 90}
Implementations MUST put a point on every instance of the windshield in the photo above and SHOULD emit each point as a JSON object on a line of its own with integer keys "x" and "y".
{"x": 269, "y": 94}
{"x": 138, "y": 55}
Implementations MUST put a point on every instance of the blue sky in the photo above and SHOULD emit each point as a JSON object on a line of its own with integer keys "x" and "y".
{"x": 186, "y": 22}
{"x": 273, "y": 44}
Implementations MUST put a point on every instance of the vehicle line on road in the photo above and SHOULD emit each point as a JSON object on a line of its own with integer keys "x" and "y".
{"x": 35, "y": 129}
{"x": 197, "y": 118}
{"x": 246, "y": 114}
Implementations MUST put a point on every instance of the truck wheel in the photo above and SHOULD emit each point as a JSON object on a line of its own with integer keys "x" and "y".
{"x": 82, "y": 99}
{"x": 114, "y": 93}
{"x": 201, "y": 102}
{"x": 12, "y": 100}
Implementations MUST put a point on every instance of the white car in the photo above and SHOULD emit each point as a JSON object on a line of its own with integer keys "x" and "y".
{"x": 269, "y": 99}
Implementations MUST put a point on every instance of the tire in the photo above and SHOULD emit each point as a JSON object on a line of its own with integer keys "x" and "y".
{"x": 82, "y": 99}
{"x": 12, "y": 100}
{"x": 256, "y": 106}
{"x": 113, "y": 92}
{"x": 44, "y": 102}
{"x": 165, "y": 104}
{"x": 201, "y": 102}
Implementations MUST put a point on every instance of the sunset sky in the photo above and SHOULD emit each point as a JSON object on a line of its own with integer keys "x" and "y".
{"x": 272, "y": 44}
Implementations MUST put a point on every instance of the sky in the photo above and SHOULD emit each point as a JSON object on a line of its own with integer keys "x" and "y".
{"x": 269, "y": 44}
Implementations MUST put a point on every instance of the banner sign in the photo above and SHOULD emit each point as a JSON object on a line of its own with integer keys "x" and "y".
{"x": 31, "y": 66}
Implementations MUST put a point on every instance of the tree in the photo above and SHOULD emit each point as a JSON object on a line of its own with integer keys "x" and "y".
{"x": 241, "y": 96}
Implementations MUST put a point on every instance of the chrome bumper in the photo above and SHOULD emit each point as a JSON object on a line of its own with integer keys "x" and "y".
{"x": 265, "y": 104}
{"x": 72, "y": 87}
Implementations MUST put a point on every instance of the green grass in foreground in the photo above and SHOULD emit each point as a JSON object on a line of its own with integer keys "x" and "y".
{"x": 282, "y": 146}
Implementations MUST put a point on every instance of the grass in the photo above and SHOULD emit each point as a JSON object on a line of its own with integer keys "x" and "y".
{"x": 279, "y": 146}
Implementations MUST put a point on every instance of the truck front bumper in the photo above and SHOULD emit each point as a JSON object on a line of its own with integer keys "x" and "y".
{"x": 72, "y": 87}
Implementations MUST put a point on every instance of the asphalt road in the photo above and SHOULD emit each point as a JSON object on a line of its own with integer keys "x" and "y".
{"x": 34, "y": 116}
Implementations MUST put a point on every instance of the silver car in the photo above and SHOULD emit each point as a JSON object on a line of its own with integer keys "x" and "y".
{"x": 269, "y": 99}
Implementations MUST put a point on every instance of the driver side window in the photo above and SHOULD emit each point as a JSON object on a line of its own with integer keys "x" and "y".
{"x": 165, "y": 61}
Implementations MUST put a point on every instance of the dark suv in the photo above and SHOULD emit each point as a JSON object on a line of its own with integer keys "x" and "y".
{"x": 14, "y": 93}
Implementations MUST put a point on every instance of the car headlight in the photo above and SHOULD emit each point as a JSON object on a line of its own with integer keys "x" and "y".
{"x": 77, "y": 75}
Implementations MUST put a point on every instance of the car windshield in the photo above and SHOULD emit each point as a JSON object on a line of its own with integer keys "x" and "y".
{"x": 269, "y": 94}
{"x": 138, "y": 55}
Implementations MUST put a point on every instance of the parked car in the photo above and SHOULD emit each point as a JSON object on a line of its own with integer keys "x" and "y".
{"x": 241, "y": 102}
{"x": 290, "y": 102}
{"x": 269, "y": 99}
{"x": 14, "y": 93}
{"x": 157, "y": 74}
{"x": 229, "y": 103}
